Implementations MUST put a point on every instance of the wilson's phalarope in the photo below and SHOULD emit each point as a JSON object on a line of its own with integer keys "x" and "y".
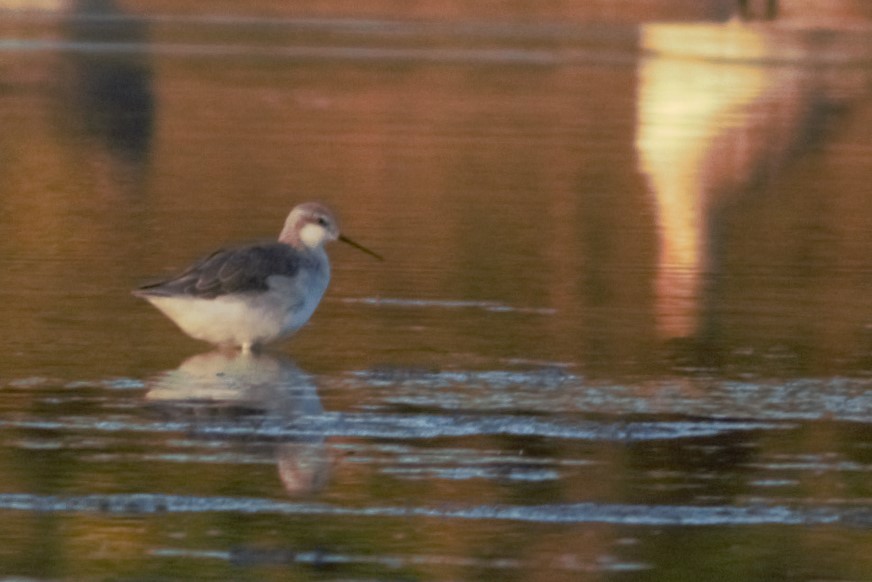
{"x": 256, "y": 294}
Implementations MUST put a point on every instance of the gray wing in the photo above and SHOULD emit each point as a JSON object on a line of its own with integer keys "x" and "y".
{"x": 241, "y": 270}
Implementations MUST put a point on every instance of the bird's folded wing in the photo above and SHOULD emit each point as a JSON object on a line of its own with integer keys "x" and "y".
{"x": 241, "y": 270}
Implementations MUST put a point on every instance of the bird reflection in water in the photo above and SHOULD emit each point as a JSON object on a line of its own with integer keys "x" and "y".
{"x": 225, "y": 391}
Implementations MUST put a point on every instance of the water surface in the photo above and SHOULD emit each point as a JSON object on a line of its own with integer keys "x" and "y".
{"x": 623, "y": 329}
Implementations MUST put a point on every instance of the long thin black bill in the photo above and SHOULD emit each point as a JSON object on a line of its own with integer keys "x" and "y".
{"x": 360, "y": 247}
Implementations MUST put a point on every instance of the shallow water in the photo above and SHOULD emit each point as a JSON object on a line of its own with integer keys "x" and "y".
{"x": 624, "y": 327}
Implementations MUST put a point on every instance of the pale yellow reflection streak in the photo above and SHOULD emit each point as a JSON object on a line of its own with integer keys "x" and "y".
{"x": 35, "y": 5}
{"x": 682, "y": 105}
{"x": 720, "y": 109}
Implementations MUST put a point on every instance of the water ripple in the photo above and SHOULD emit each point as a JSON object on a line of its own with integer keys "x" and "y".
{"x": 408, "y": 426}
{"x": 493, "y": 306}
{"x": 553, "y": 389}
{"x": 433, "y": 55}
{"x": 623, "y": 514}
{"x": 256, "y": 556}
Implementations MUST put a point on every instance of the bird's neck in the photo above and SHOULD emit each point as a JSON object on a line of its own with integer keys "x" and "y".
{"x": 302, "y": 235}
{"x": 290, "y": 234}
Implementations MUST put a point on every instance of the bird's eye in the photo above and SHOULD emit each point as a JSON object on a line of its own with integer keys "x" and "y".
{"x": 322, "y": 221}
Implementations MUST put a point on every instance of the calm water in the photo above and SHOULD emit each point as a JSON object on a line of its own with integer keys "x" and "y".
{"x": 623, "y": 331}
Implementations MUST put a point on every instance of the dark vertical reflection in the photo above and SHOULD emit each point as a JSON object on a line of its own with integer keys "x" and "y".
{"x": 111, "y": 93}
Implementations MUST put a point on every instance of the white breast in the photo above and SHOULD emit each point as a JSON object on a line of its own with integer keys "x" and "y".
{"x": 297, "y": 297}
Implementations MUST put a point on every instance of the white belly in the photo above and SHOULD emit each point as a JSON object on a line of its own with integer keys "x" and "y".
{"x": 248, "y": 319}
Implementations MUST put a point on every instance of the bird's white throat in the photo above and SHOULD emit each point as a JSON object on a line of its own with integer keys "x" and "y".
{"x": 313, "y": 235}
